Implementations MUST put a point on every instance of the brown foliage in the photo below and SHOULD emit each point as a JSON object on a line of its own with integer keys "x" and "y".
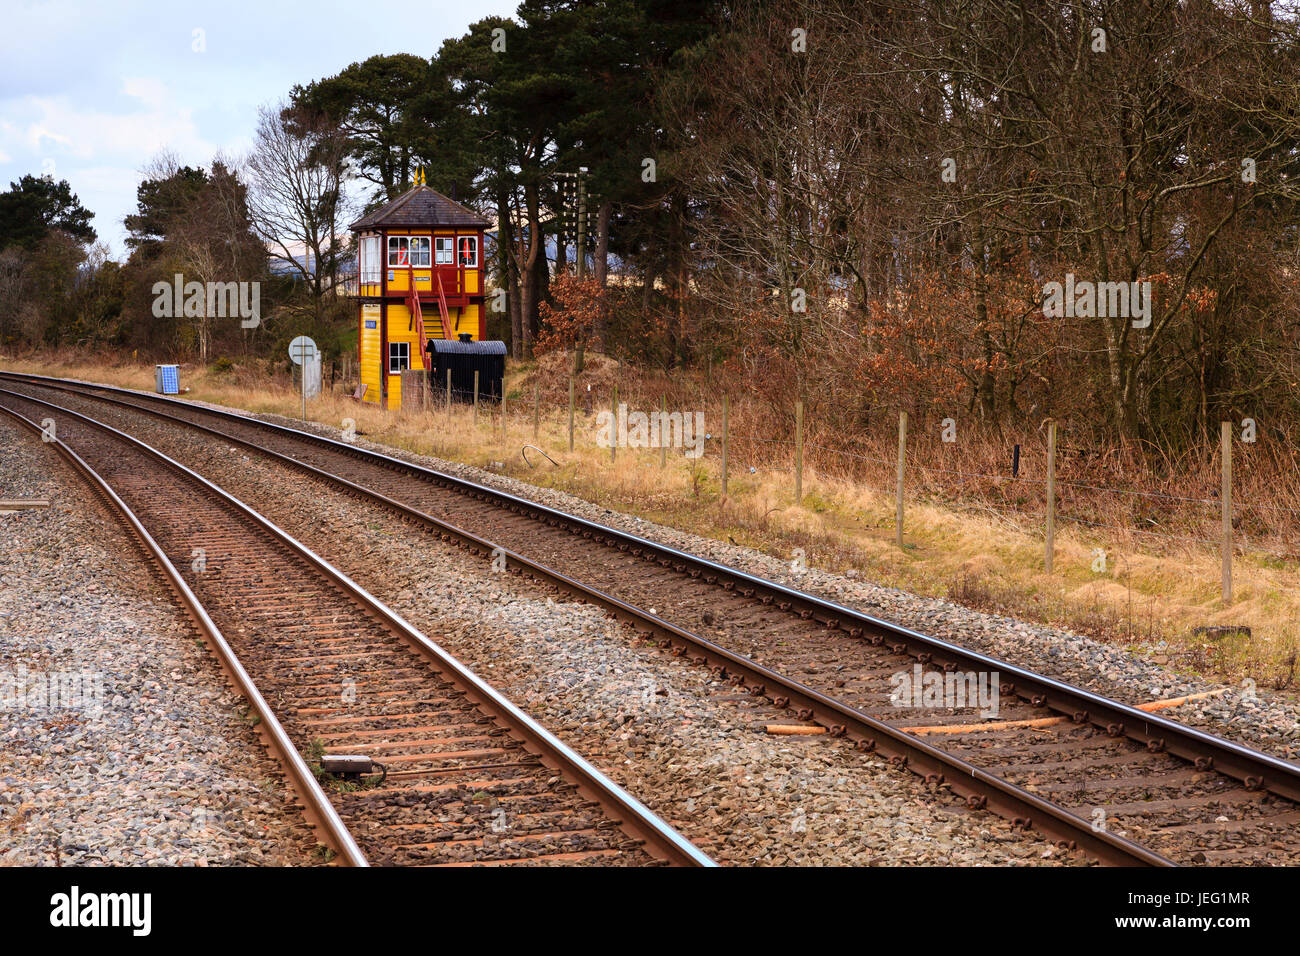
{"x": 571, "y": 321}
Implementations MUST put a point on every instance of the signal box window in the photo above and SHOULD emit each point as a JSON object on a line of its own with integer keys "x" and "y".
{"x": 399, "y": 357}
{"x": 420, "y": 251}
{"x": 443, "y": 246}
{"x": 399, "y": 251}
{"x": 469, "y": 251}
{"x": 408, "y": 251}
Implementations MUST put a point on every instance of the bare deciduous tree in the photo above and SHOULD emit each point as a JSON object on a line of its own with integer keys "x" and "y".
{"x": 296, "y": 174}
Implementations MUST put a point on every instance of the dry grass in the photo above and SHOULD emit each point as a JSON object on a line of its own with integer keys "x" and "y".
{"x": 972, "y": 548}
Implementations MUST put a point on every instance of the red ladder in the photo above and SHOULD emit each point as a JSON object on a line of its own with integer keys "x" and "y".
{"x": 442, "y": 307}
{"x": 417, "y": 316}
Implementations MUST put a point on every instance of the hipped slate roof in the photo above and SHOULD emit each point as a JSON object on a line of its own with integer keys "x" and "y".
{"x": 420, "y": 206}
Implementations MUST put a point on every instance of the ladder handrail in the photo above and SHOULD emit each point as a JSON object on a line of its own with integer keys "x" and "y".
{"x": 442, "y": 307}
{"x": 417, "y": 315}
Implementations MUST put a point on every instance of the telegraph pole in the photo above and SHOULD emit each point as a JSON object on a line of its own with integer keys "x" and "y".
{"x": 582, "y": 222}
{"x": 581, "y": 253}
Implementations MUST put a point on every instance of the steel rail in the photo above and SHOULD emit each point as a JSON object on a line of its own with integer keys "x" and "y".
{"x": 1256, "y": 770}
{"x": 318, "y": 810}
{"x": 661, "y": 840}
{"x": 981, "y": 789}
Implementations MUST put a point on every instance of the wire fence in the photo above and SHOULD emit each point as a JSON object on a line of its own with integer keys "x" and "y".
{"x": 1027, "y": 494}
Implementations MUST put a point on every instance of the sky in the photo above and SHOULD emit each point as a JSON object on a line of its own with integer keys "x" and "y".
{"x": 90, "y": 91}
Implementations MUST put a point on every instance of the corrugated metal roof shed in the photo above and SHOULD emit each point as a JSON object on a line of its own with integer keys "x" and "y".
{"x": 421, "y": 206}
{"x": 454, "y": 347}
{"x": 462, "y": 360}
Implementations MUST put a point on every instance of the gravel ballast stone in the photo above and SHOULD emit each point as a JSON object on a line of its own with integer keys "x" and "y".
{"x": 146, "y": 756}
{"x": 692, "y": 748}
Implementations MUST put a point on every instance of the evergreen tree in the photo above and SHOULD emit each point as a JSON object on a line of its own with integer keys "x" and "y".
{"x": 35, "y": 205}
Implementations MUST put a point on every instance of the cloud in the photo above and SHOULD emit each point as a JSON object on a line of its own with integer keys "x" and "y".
{"x": 149, "y": 121}
{"x": 99, "y": 88}
{"x": 149, "y": 90}
{"x": 100, "y": 147}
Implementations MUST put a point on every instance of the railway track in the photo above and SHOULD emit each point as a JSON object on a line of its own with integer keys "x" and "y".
{"x": 328, "y": 669}
{"x": 1076, "y": 766}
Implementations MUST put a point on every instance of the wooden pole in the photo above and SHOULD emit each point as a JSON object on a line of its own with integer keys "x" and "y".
{"x": 582, "y": 230}
{"x": 448, "y": 394}
{"x": 579, "y": 351}
{"x": 798, "y": 452}
{"x": 663, "y": 427}
{"x": 613, "y": 427}
{"x": 570, "y": 413}
{"x": 1225, "y": 503}
{"x": 724, "y": 446}
{"x": 1049, "y": 552}
{"x": 476, "y": 398}
{"x": 898, "y": 492}
{"x": 537, "y": 411}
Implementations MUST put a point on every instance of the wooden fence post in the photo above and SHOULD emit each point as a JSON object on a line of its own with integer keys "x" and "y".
{"x": 503, "y": 410}
{"x": 570, "y": 413}
{"x": 724, "y": 446}
{"x": 898, "y": 492}
{"x": 1049, "y": 553}
{"x": 798, "y": 452}
{"x": 476, "y": 398}
{"x": 613, "y": 426}
{"x": 1225, "y": 495}
{"x": 663, "y": 424}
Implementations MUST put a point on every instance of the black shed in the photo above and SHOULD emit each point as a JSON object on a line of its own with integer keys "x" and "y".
{"x": 463, "y": 358}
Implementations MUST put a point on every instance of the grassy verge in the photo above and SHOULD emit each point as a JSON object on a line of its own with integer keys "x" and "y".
{"x": 1141, "y": 598}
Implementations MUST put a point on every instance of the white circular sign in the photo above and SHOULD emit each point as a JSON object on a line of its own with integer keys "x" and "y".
{"x": 301, "y": 348}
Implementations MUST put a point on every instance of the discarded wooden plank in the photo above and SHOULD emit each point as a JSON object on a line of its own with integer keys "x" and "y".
{"x": 20, "y": 504}
{"x": 980, "y": 728}
{"x": 1155, "y": 705}
{"x": 793, "y": 730}
{"x": 1148, "y": 707}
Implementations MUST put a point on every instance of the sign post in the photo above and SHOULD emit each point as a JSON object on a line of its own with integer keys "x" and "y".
{"x": 302, "y": 350}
